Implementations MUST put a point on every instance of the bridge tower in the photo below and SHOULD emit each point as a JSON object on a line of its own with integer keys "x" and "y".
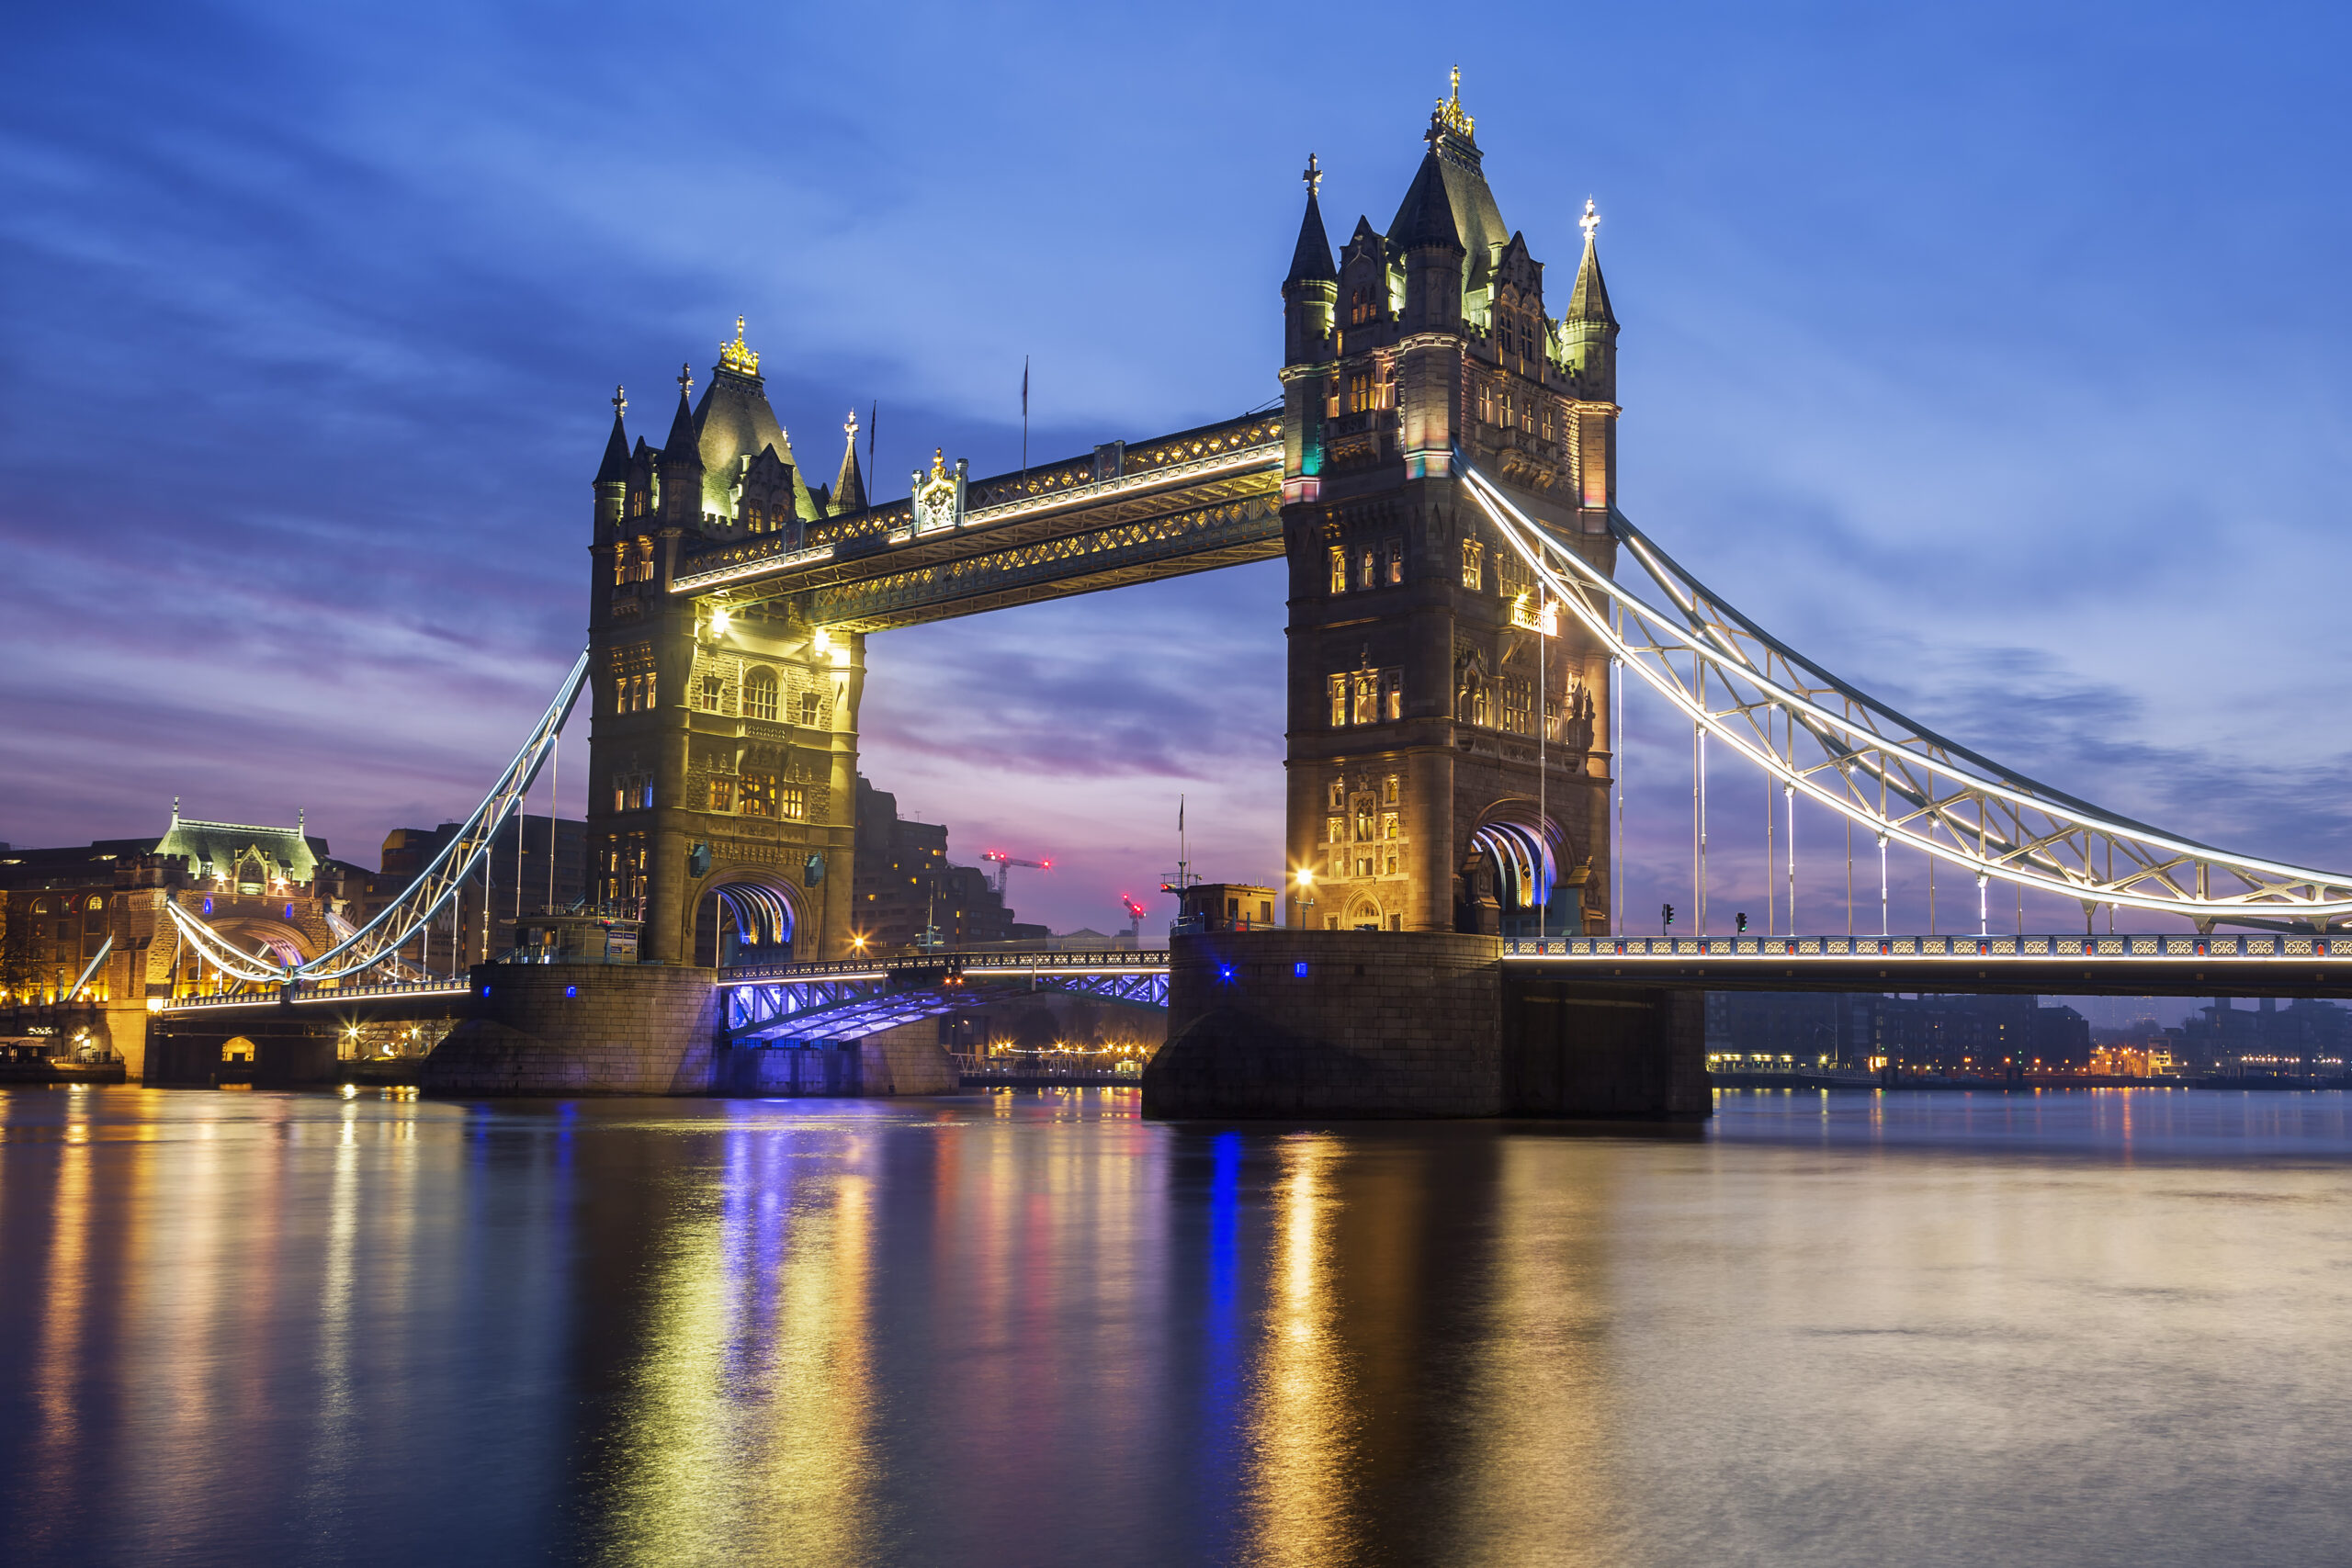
{"x": 723, "y": 758}
{"x": 1442, "y": 746}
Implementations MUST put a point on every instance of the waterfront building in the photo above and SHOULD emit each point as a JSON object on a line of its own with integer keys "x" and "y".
{"x": 1774, "y": 1030}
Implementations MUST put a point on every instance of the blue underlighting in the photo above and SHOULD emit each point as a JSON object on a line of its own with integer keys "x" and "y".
{"x": 1225, "y": 974}
{"x": 568, "y": 990}
{"x": 485, "y": 990}
{"x": 208, "y": 906}
{"x": 1298, "y": 970}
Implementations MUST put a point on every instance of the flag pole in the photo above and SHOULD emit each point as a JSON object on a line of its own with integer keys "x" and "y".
{"x": 1024, "y": 423}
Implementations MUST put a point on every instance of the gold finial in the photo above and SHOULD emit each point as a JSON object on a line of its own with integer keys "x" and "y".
{"x": 1313, "y": 175}
{"x": 1449, "y": 115}
{"x": 850, "y": 424}
{"x": 1590, "y": 221}
{"x": 939, "y": 462}
{"x": 620, "y": 400}
{"x": 686, "y": 378}
{"x": 736, "y": 357}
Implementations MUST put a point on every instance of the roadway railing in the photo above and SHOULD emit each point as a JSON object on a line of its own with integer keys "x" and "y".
{"x": 1781, "y": 949}
{"x": 276, "y": 996}
{"x": 1116, "y": 961}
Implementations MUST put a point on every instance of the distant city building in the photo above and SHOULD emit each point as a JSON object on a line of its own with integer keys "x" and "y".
{"x": 903, "y": 884}
{"x": 1226, "y": 907}
{"x": 1775, "y": 1031}
{"x": 2303, "y": 1039}
{"x": 518, "y": 888}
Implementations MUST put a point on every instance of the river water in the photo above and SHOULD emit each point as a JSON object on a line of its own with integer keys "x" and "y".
{"x": 2092, "y": 1327}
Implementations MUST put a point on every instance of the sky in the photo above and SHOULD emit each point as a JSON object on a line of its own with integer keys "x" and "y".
{"x": 1997, "y": 357}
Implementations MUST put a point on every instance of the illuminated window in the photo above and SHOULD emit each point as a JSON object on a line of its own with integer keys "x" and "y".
{"x": 808, "y": 707}
{"x": 722, "y": 793}
{"x": 755, "y": 518}
{"x": 1363, "y": 820}
{"x": 1363, "y": 391}
{"x": 1339, "y": 706}
{"x": 1388, "y": 824}
{"x": 1339, "y": 570}
{"x": 1371, "y": 572}
{"x": 1335, "y": 829}
{"x": 1367, "y": 693}
{"x": 1388, "y": 790}
{"x": 1474, "y": 566}
{"x": 759, "y": 694}
{"x": 1392, "y": 694}
{"x": 1363, "y": 305}
{"x": 1339, "y": 793}
{"x": 756, "y": 795}
{"x": 643, "y": 565}
{"x": 710, "y": 691}
{"x": 636, "y": 503}
{"x": 792, "y": 803}
{"x": 1395, "y": 554}
{"x": 1392, "y": 862}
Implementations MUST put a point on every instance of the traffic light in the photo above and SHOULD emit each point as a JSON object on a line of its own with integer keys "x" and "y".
{"x": 1742, "y": 920}
{"x": 1666, "y": 913}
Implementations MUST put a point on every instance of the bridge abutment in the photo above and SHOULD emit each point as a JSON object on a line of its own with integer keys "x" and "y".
{"x": 1360, "y": 1024}
{"x": 571, "y": 1029}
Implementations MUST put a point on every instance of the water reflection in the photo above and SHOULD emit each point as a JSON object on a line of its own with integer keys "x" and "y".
{"x": 1033, "y": 1329}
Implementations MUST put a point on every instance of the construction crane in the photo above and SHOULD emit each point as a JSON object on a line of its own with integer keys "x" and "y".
{"x": 1134, "y": 919}
{"x": 1004, "y": 864}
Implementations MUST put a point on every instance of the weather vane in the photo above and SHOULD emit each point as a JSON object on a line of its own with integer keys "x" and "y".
{"x": 1313, "y": 175}
{"x": 1590, "y": 221}
{"x": 621, "y": 399}
{"x": 686, "y": 378}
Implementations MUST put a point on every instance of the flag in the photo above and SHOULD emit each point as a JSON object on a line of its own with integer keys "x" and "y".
{"x": 1180, "y": 813}
{"x": 1024, "y": 386}
{"x": 873, "y": 419}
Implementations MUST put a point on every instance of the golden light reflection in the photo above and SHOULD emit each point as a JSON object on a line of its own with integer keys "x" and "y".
{"x": 65, "y": 1304}
{"x": 750, "y": 1434}
{"x": 1303, "y": 1423}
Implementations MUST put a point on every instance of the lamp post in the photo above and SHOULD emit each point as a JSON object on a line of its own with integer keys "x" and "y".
{"x": 1304, "y": 899}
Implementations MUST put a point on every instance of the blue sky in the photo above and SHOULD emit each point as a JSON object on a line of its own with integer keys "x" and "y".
{"x": 1996, "y": 358}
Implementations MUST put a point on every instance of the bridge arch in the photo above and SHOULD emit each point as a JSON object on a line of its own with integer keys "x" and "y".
{"x": 745, "y": 916}
{"x": 1514, "y": 876}
{"x": 287, "y": 943}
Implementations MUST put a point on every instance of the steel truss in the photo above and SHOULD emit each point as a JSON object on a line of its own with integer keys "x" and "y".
{"x": 829, "y": 1008}
{"x": 381, "y": 940}
{"x": 1828, "y": 741}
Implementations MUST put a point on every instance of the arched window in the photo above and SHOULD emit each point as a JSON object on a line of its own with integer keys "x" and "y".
{"x": 759, "y": 694}
{"x": 40, "y": 906}
{"x": 95, "y": 904}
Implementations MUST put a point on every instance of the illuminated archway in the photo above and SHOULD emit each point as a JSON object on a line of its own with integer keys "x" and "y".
{"x": 744, "y": 918}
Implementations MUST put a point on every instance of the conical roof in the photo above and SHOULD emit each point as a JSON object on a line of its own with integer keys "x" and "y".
{"x": 615, "y": 468}
{"x": 848, "y": 487}
{"x": 683, "y": 447}
{"x": 1311, "y": 261}
{"x": 1590, "y": 301}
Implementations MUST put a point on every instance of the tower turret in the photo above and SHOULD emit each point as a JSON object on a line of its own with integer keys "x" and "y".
{"x": 1309, "y": 294}
{"x": 682, "y": 461}
{"x": 1589, "y": 339}
{"x": 849, "y": 487}
{"x": 612, "y": 475}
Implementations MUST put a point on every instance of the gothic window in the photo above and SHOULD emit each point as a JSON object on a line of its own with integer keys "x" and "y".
{"x": 1363, "y": 391}
{"x": 757, "y": 795}
{"x": 1392, "y": 862}
{"x": 759, "y": 694}
{"x": 1335, "y": 829}
{"x": 1363, "y": 305}
{"x": 1339, "y": 793}
{"x": 1388, "y": 824}
{"x": 808, "y": 707}
{"x": 755, "y": 518}
{"x": 1338, "y": 709}
{"x": 642, "y": 566}
{"x": 1393, "y": 553}
{"x": 1517, "y": 693}
{"x": 1473, "y": 569}
{"x": 1332, "y": 397}
{"x": 1339, "y": 570}
{"x": 636, "y": 503}
{"x": 1388, "y": 790}
{"x": 710, "y": 691}
{"x": 1370, "y": 574}
{"x": 1367, "y": 693}
{"x": 1392, "y": 694}
{"x": 620, "y": 564}
{"x": 792, "y": 803}
{"x": 722, "y": 792}
{"x": 1363, "y": 818}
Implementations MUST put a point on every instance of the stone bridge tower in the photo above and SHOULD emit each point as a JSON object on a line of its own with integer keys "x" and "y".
{"x": 1447, "y": 757}
{"x": 723, "y": 762}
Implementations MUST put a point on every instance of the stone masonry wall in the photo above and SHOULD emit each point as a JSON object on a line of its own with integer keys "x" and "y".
{"x": 581, "y": 1028}
{"x": 1379, "y": 1023}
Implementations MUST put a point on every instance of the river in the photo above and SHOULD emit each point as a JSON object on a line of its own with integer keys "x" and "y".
{"x": 1033, "y": 1328}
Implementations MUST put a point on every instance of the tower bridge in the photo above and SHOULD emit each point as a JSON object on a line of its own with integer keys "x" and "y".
{"x": 1441, "y": 482}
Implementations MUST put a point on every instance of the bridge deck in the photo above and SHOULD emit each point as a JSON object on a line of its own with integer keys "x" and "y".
{"x": 1176, "y": 504}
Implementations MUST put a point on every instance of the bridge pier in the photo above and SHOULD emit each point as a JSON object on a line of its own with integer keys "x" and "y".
{"x": 1360, "y": 1024}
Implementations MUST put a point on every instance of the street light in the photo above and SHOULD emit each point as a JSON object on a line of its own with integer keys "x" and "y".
{"x": 1303, "y": 900}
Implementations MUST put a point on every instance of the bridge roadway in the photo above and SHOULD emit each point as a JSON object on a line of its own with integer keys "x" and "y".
{"x": 1192, "y": 501}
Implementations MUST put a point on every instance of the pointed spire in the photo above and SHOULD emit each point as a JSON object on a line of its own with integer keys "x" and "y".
{"x": 683, "y": 446}
{"x": 849, "y": 489}
{"x": 615, "y": 468}
{"x": 1311, "y": 261}
{"x": 1590, "y": 301}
